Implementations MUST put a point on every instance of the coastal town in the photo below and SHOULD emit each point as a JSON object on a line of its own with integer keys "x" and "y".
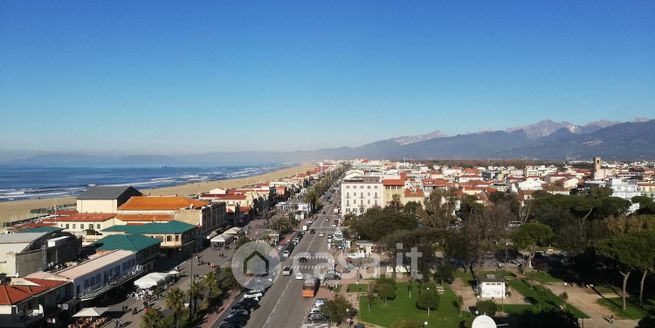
{"x": 518, "y": 242}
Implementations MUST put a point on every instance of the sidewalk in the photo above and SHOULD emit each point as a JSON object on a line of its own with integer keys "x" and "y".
{"x": 210, "y": 319}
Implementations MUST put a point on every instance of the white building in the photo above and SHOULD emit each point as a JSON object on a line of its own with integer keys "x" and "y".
{"x": 491, "y": 286}
{"x": 625, "y": 190}
{"x": 359, "y": 193}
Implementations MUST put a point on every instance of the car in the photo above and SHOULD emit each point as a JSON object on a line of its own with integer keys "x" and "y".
{"x": 320, "y": 234}
{"x": 316, "y": 318}
{"x": 299, "y": 276}
{"x": 286, "y": 253}
{"x": 315, "y": 309}
{"x": 238, "y": 313}
{"x": 319, "y": 302}
{"x": 254, "y": 294}
{"x": 287, "y": 271}
{"x": 302, "y": 259}
{"x": 231, "y": 324}
{"x": 312, "y": 231}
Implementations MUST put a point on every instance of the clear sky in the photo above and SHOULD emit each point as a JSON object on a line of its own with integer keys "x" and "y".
{"x": 192, "y": 76}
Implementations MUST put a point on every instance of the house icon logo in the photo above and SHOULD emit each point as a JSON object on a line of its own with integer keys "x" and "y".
{"x": 255, "y": 265}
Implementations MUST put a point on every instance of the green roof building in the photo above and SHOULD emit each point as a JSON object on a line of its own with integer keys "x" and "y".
{"x": 146, "y": 248}
{"x": 176, "y": 237}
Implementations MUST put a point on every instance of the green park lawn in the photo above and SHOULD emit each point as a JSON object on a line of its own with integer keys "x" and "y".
{"x": 633, "y": 310}
{"x": 541, "y": 299}
{"x": 353, "y": 288}
{"x": 404, "y": 308}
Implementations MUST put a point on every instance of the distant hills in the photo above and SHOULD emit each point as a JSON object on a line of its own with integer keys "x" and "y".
{"x": 545, "y": 140}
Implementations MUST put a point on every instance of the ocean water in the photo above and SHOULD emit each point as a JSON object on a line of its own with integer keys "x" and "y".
{"x": 30, "y": 182}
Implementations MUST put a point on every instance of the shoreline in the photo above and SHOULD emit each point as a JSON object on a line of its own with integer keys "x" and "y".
{"x": 20, "y": 209}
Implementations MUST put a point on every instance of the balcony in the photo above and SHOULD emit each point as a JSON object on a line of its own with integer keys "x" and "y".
{"x": 91, "y": 293}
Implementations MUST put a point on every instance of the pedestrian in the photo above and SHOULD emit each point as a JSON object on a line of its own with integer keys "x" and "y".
{"x": 611, "y": 319}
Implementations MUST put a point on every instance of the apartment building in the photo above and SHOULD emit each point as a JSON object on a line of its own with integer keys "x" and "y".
{"x": 359, "y": 193}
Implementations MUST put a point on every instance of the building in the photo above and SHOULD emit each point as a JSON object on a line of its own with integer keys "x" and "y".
{"x": 177, "y": 238}
{"x": 491, "y": 286}
{"x": 597, "y": 173}
{"x": 29, "y": 302}
{"x": 24, "y": 253}
{"x": 104, "y": 199}
{"x": 100, "y": 274}
{"x": 145, "y": 248}
{"x": 359, "y": 193}
{"x": 647, "y": 189}
{"x": 392, "y": 187}
{"x": 205, "y": 215}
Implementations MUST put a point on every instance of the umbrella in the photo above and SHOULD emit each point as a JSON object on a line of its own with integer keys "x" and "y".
{"x": 91, "y": 312}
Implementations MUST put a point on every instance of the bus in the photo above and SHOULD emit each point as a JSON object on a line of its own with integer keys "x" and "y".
{"x": 310, "y": 287}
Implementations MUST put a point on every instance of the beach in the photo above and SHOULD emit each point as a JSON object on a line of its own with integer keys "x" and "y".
{"x": 20, "y": 209}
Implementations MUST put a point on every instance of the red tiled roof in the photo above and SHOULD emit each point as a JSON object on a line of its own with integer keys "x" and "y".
{"x": 225, "y": 197}
{"x": 85, "y": 217}
{"x": 144, "y": 217}
{"x": 13, "y": 294}
{"x": 393, "y": 182}
{"x": 161, "y": 203}
{"x": 417, "y": 193}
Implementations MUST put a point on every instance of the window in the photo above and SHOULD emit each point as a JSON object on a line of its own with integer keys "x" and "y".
{"x": 98, "y": 226}
{"x": 73, "y": 225}
{"x": 169, "y": 238}
{"x": 67, "y": 226}
{"x": 82, "y": 226}
{"x": 177, "y": 237}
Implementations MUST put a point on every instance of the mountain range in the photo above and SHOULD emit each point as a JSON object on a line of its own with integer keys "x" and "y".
{"x": 546, "y": 140}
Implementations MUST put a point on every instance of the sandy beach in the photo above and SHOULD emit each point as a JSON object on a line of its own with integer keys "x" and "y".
{"x": 16, "y": 210}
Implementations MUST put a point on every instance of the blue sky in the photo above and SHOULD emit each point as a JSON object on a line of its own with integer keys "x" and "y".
{"x": 178, "y": 77}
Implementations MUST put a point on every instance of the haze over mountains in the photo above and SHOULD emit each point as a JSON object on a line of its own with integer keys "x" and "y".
{"x": 543, "y": 140}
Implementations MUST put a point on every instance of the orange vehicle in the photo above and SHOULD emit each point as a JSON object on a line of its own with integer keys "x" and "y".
{"x": 310, "y": 287}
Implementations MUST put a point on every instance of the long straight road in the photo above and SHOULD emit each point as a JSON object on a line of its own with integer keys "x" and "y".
{"x": 283, "y": 305}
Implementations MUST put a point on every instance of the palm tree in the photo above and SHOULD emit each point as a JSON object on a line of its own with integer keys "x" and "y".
{"x": 152, "y": 319}
{"x": 227, "y": 280}
{"x": 213, "y": 288}
{"x": 175, "y": 303}
{"x": 195, "y": 292}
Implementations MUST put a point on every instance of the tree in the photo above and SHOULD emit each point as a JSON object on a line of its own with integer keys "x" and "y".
{"x": 370, "y": 296}
{"x": 385, "y": 291}
{"x": 647, "y": 322}
{"x": 175, "y": 302}
{"x": 196, "y": 294}
{"x": 407, "y": 324}
{"x": 628, "y": 252}
{"x": 439, "y": 209}
{"x": 445, "y": 274}
{"x": 152, "y": 319}
{"x": 212, "y": 286}
{"x": 427, "y": 299}
{"x": 530, "y": 235}
{"x": 487, "y": 307}
{"x": 337, "y": 309}
{"x": 312, "y": 199}
{"x": 460, "y": 304}
{"x": 395, "y": 204}
{"x": 226, "y": 279}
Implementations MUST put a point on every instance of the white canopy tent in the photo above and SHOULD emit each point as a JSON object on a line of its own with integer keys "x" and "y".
{"x": 91, "y": 312}
{"x": 151, "y": 280}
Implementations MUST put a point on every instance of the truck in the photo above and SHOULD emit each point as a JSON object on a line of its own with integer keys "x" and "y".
{"x": 310, "y": 287}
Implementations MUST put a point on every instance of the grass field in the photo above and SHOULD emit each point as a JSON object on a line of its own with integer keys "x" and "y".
{"x": 404, "y": 308}
{"x": 353, "y": 288}
{"x": 633, "y": 310}
{"x": 540, "y": 298}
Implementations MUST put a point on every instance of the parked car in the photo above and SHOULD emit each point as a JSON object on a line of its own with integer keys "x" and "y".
{"x": 286, "y": 253}
{"x": 319, "y": 302}
{"x": 254, "y": 294}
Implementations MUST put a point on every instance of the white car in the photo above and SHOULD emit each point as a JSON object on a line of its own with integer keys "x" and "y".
{"x": 299, "y": 276}
{"x": 320, "y": 234}
{"x": 254, "y": 294}
{"x": 286, "y": 253}
{"x": 319, "y": 302}
{"x": 287, "y": 271}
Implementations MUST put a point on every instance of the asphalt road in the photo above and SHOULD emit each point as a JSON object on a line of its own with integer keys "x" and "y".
{"x": 283, "y": 304}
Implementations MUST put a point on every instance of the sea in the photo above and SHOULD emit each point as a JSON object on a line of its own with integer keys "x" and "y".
{"x": 33, "y": 182}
